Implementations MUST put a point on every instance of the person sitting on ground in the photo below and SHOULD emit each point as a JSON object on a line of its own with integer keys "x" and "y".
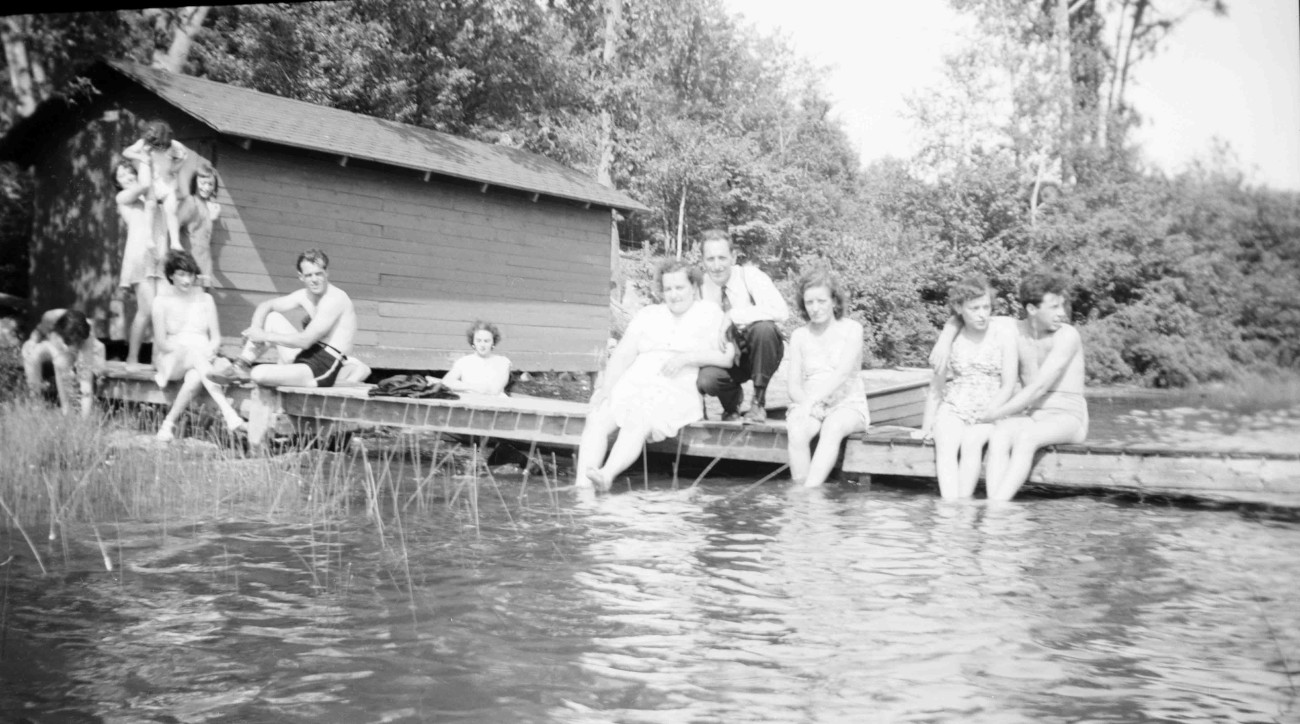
{"x": 186, "y": 339}
{"x": 317, "y": 354}
{"x": 482, "y": 372}
{"x": 830, "y": 400}
{"x": 168, "y": 167}
{"x": 978, "y": 375}
{"x": 649, "y": 389}
{"x": 62, "y": 339}
{"x": 142, "y": 255}
{"x": 753, "y": 306}
{"x": 1050, "y": 409}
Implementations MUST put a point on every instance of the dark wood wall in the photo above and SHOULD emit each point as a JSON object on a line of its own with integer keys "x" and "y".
{"x": 421, "y": 260}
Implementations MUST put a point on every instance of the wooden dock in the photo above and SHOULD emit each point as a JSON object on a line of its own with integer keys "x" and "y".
{"x": 896, "y": 398}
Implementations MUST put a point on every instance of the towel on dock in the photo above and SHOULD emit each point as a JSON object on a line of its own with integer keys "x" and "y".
{"x": 419, "y": 386}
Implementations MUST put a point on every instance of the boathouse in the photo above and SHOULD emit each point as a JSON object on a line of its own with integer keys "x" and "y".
{"x": 426, "y": 231}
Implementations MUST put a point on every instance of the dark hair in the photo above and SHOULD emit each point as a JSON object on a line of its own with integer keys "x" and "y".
{"x": 480, "y": 325}
{"x": 72, "y": 327}
{"x": 158, "y": 134}
{"x": 672, "y": 266}
{"x": 315, "y": 256}
{"x": 1041, "y": 283}
{"x": 179, "y": 260}
{"x": 821, "y": 278}
{"x": 714, "y": 235}
{"x": 123, "y": 163}
{"x": 967, "y": 288}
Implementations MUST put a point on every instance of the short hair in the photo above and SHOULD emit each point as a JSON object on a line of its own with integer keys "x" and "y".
{"x": 967, "y": 288}
{"x": 315, "y": 256}
{"x": 1041, "y": 283}
{"x": 179, "y": 260}
{"x": 481, "y": 326}
{"x": 157, "y": 133}
{"x": 672, "y": 266}
{"x": 715, "y": 235}
{"x": 73, "y": 328}
{"x": 121, "y": 164}
{"x": 205, "y": 169}
{"x": 822, "y": 278}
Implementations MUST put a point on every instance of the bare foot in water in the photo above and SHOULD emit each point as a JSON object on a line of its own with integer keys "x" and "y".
{"x": 598, "y": 479}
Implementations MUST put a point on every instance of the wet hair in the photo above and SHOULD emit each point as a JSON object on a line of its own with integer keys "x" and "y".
{"x": 157, "y": 134}
{"x": 715, "y": 235}
{"x": 481, "y": 326}
{"x": 315, "y": 256}
{"x": 73, "y": 328}
{"x": 967, "y": 288}
{"x": 1041, "y": 283}
{"x": 821, "y": 278}
{"x": 672, "y": 266}
{"x": 179, "y": 260}
{"x": 121, "y": 164}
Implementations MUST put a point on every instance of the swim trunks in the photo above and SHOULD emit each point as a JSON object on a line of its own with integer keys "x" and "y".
{"x": 1070, "y": 404}
{"x": 324, "y": 361}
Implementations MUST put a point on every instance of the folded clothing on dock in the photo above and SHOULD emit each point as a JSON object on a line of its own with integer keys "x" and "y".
{"x": 417, "y": 386}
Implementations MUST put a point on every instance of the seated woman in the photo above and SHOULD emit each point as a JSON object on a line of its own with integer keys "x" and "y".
{"x": 648, "y": 391}
{"x": 482, "y": 372}
{"x": 829, "y": 399}
{"x": 977, "y": 374}
{"x": 186, "y": 338}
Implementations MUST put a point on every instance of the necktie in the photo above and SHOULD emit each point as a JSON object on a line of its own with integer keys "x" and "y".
{"x": 726, "y": 303}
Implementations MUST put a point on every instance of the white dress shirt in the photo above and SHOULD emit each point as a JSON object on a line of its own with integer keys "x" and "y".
{"x": 752, "y": 296}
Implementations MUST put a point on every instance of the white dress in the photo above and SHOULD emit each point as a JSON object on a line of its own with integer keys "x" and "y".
{"x": 140, "y": 261}
{"x": 485, "y": 376}
{"x": 644, "y": 393}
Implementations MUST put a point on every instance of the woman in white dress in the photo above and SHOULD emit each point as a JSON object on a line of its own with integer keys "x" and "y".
{"x": 142, "y": 257}
{"x": 648, "y": 391}
{"x": 482, "y": 372}
{"x": 825, "y": 365}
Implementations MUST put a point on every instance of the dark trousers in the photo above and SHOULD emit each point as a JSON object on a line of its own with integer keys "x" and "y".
{"x": 762, "y": 349}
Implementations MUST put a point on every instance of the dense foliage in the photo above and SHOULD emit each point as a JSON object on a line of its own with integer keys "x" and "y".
{"x": 711, "y": 124}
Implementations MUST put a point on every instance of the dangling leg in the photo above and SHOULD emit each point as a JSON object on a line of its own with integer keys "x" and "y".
{"x": 627, "y": 448}
{"x": 594, "y": 444}
{"x": 193, "y": 380}
{"x": 145, "y": 291}
{"x": 972, "y": 453}
{"x": 800, "y": 430}
{"x": 948, "y": 429}
{"x": 838, "y": 425}
{"x": 1042, "y": 432}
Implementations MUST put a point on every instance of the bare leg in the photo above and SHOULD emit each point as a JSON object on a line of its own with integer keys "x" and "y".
{"x": 972, "y": 452}
{"x": 595, "y": 442}
{"x": 799, "y": 434}
{"x": 35, "y": 355}
{"x": 1049, "y": 430}
{"x": 145, "y": 291}
{"x": 627, "y": 448}
{"x": 218, "y": 395}
{"x": 948, "y": 431}
{"x": 998, "y": 457}
{"x": 838, "y": 425}
{"x": 170, "y": 206}
{"x": 353, "y": 373}
{"x": 193, "y": 380}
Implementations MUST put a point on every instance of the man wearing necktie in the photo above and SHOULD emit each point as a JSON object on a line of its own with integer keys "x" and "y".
{"x": 754, "y": 306}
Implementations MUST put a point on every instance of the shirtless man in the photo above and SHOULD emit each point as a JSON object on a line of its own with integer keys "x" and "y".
{"x": 186, "y": 338}
{"x": 63, "y": 339}
{"x": 1050, "y": 409}
{"x": 315, "y": 356}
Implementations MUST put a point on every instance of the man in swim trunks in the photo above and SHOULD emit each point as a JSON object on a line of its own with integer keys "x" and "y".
{"x": 1050, "y": 409}
{"x": 315, "y": 356}
{"x": 63, "y": 340}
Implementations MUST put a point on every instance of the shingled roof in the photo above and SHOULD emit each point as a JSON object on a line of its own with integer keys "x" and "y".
{"x": 262, "y": 117}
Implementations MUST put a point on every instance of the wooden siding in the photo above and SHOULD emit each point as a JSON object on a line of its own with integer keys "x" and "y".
{"x": 420, "y": 259}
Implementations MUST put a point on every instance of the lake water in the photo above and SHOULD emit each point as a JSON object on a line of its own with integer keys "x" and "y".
{"x": 721, "y": 604}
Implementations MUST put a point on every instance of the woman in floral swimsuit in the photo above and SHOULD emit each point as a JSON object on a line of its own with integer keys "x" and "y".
{"x": 979, "y": 375}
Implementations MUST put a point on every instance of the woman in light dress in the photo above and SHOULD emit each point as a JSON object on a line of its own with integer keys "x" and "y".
{"x": 826, "y": 389}
{"x": 977, "y": 373}
{"x": 142, "y": 256}
{"x": 648, "y": 391}
{"x": 482, "y": 372}
{"x": 186, "y": 338}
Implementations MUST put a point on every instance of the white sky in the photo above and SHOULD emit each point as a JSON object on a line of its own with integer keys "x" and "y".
{"x": 1236, "y": 78}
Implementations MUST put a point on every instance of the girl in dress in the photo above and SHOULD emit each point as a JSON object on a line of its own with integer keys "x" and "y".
{"x": 648, "y": 391}
{"x": 825, "y": 361}
{"x": 141, "y": 259}
{"x": 482, "y": 372}
{"x": 976, "y": 375}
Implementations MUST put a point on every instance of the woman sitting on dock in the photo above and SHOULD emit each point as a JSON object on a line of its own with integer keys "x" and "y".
{"x": 982, "y": 362}
{"x": 826, "y": 389}
{"x": 186, "y": 338}
{"x": 482, "y": 372}
{"x": 648, "y": 391}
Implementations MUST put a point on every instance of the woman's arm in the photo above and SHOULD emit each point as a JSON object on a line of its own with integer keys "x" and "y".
{"x": 158, "y": 314}
{"x": 943, "y": 345}
{"x": 1065, "y": 346}
{"x": 454, "y": 379}
{"x": 795, "y": 363}
{"x": 622, "y": 358}
{"x": 1010, "y": 366}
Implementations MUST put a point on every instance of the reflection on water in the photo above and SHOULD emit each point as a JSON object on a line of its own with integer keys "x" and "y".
{"x": 1188, "y": 420}
{"x": 661, "y": 605}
